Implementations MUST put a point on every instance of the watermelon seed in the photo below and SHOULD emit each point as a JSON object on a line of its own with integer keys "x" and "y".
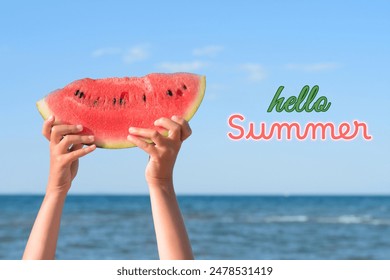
{"x": 144, "y": 97}
{"x": 95, "y": 103}
{"x": 81, "y": 94}
{"x": 77, "y": 92}
{"x": 114, "y": 101}
{"x": 169, "y": 92}
{"x": 122, "y": 99}
{"x": 184, "y": 87}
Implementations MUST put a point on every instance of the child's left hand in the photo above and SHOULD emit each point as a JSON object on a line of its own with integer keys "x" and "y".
{"x": 164, "y": 150}
{"x": 171, "y": 235}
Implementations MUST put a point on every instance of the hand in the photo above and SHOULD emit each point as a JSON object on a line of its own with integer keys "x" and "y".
{"x": 66, "y": 147}
{"x": 164, "y": 150}
{"x": 171, "y": 234}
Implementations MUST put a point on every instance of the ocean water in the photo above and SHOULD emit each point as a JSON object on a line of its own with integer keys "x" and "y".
{"x": 220, "y": 227}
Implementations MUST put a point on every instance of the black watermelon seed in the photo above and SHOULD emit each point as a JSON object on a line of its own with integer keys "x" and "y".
{"x": 76, "y": 93}
{"x": 81, "y": 94}
{"x": 114, "y": 101}
{"x": 184, "y": 87}
{"x": 121, "y": 101}
{"x": 169, "y": 92}
{"x": 144, "y": 97}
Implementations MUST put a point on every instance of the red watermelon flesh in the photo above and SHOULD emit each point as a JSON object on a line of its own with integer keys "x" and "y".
{"x": 108, "y": 107}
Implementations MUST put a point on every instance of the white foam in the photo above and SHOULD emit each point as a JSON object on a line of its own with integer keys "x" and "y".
{"x": 351, "y": 219}
{"x": 287, "y": 219}
{"x": 342, "y": 219}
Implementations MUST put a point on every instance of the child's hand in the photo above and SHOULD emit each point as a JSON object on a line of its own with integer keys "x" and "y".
{"x": 171, "y": 234}
{"x": 66, "y": 147}
{"x": 163, "y": 151}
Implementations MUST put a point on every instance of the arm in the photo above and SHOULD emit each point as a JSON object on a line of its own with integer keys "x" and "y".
{"x": 171, "y": 234}
{"x": 66, "y": 147}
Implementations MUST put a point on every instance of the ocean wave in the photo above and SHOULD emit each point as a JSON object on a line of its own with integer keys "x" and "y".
{"x": 345, "y": 219}
{"x": 286, "y": 219}
{"x": 342, "y": 219}
{"x": 354, "y": 219}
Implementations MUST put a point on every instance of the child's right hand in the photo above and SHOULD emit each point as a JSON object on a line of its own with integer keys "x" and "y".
{"x": 66, "y": 147}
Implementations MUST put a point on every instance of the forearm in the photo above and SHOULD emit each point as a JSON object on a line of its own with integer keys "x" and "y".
{"x": 171, "y": 234}
{"x": 42, "y": 242}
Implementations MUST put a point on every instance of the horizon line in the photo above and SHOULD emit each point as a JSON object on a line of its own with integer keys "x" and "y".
{"x": 207, "y": 194}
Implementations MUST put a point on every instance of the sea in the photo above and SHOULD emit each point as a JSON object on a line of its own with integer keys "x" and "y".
{"x": 219, "y": 227}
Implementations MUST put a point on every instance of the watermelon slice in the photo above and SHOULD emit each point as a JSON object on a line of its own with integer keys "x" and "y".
{"x": 108, "y": 107}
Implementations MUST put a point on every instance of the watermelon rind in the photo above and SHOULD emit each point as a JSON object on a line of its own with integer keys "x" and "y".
{"x": 192, "y": 110}
{"x": 45, "y": 112}
{"x": 44, "y": 109}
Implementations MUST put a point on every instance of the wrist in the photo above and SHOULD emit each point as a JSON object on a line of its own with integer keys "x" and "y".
{"x": 54, "y": 199}
{"x": 56, "y": 192}
{"x": 165, "y": 185}
{"x": 55, "y": 195}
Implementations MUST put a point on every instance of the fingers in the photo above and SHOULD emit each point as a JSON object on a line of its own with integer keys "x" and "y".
{"x": 74, "y": 141}
{"x": 152, "y": 134}
{"x": 46, "y": 128}
{"x": 142, "y": 144}
{"x": 178, "y": 127}
{"x": 58, "y": 132}
{"x": 76, "y": 147}
{"x": 186, "y": 130}
{"x": 78, "y": 153}
{"x": 65, "y": 139}
{"x": 174, "y": 130}
{"x": 178, "y": 130}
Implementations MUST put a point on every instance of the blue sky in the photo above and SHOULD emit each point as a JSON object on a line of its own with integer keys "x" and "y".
{"x": 246, "y": 49}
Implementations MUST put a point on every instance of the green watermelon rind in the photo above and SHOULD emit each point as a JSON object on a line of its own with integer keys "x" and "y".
{"x": 192, "y": 110}
{"x": 45, "y": 112}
